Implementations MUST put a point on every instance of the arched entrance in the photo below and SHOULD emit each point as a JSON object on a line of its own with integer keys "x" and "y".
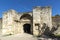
{"x": 27, "y": 28}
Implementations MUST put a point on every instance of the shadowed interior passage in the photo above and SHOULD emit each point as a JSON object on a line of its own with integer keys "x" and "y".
{"x": 27, "y": 28}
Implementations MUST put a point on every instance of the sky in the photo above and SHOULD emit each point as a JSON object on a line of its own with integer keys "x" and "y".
{"x": 28, "y": 5}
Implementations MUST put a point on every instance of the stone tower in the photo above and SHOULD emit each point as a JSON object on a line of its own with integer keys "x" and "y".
{"x": 41, "y": 15}
{"x": 8, "y": 22}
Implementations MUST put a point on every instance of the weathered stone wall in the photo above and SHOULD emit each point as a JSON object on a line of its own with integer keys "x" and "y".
{"x": 8, "y": 22}
{"x": 41, "y": 15}
{"x": 36, "y": 20}
{"x": 46, "y": 16}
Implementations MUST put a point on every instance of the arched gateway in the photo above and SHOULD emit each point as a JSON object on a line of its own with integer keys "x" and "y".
{"x": 26, "y": 20}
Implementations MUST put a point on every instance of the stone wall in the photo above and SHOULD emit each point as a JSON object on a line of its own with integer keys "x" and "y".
{"x": 36, "y": 20}
{"x": 8, "y": 22}
{"x": 41, "y": 15}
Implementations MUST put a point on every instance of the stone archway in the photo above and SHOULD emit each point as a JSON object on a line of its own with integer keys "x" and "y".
{"x": 26, "y": 20}
{"x": 27, "y": 28}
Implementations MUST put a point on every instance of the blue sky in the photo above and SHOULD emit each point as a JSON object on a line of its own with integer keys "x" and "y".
{"x": 27, "y": 5}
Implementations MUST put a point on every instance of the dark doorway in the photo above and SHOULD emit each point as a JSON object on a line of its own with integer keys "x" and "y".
{"x": 27, "y": 28}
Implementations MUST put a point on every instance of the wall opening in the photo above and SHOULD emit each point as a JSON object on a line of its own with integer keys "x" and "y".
{"x": 27, "y": 28}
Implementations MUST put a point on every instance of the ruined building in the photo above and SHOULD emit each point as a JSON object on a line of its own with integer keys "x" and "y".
{"x": 32, "y": 22}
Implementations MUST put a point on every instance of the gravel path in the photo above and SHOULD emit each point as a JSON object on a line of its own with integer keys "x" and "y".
{"x": 19, "y": 37}
{"x": 24, "y": 37}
